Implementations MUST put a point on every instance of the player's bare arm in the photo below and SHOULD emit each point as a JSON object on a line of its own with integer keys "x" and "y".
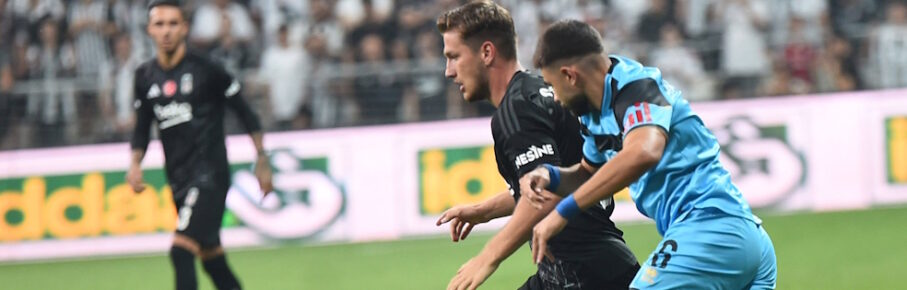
{"x": 534, "y": 184}
{"x": 514, "y": 234}
{"x": 643, "y": 148}
{"x": 463, "y": 218}
{"x": 262, "y": 163}
{"x": 134, "y": 175}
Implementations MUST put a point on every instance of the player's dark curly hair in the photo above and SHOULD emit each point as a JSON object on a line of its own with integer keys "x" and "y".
{"x": 566, "y": 39}
{"x": 481, "y": 21}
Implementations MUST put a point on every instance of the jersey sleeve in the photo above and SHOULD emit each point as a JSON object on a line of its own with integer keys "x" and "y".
{"x": 590, "y": 151}
{"x": 641, "y": 103}
{"x": 529, "y": 132}
{"x": 226, "y": 86}
{"x": 144, "y": 114}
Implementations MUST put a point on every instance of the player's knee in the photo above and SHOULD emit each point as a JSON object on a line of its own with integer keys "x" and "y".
{"x": 210, "y": 253}
{"x": 186, "y": 243}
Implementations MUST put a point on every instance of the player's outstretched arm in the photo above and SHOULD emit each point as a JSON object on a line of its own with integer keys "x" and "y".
{"x": 502, "y": 245}
{"x": 643, "y": 148}
{"x": 463, "y": 218}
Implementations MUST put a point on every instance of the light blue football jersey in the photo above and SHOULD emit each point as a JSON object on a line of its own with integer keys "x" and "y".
{"x": 689, "y": 175}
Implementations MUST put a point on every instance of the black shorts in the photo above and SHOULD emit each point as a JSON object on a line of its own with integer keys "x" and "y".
{"x": 571, "y": 275}
{"x": 200, "y": 213}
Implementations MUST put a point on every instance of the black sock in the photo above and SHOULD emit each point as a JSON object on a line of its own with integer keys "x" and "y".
{"x": 220, "y": 273}
{"x": 184, "y": 267}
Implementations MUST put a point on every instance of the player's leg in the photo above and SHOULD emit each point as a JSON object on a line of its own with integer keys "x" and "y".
{"x": 705, "y": 251}
{"x": 210, "y": 218}
{"x": 215, "y": 263}
{"x": 184, "y": 249}
{"x": 182, "y": 257}
{"x": 768, "y": 271}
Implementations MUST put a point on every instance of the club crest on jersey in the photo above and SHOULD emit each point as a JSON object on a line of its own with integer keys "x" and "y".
{"x": 186, "y": 84}
{"x": 154, "y": 92}
{"x": 169, "y": 88}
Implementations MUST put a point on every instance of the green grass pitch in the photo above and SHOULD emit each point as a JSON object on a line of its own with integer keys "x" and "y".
{"x": 844, "y": 250}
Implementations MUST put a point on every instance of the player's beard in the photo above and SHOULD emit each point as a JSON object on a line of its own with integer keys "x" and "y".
{"x": 483, "y": 90}
{"x": 578, "y": 104}
{"x": 172, "y": 50}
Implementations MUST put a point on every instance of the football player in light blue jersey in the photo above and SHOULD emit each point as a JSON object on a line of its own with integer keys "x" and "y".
{"x": 640, "y": 132}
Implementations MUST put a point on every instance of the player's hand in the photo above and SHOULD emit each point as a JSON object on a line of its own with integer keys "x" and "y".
{"x": 134, "y": 178}
{"x": 533, "y": 184}
{"x": 472, "y": 274}
{"x": 542, "y": 232}
{"x": 462, "y": 218}
{"x": 263, "y": 173}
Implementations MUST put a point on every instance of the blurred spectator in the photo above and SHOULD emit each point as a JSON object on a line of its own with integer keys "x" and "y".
{"x": 231, "y": 52}
{"x": 409, "y": 98}
{"x": 352, "y": 13}
{"x": 629, "y": 12}
{"x": 275, "y": 14}
{"x": 51, "y": 61}
{"x": 526, "y": 24}
{"x": 744, "y": 56}
{"x": 29, "y": 13}
{"x": 814, "y": 17}
{"x": 116, "y": 92}
{"x": 799, "y": 53}
{"x": 830, "y": 73}
{"x": 6, "y": 28}
{"x": 88, "y": 28}
{"x": 325, "y": 29}
{"x": 430, "y": 87}
{"x": 19, "y": 60}
{"x": 851, "y": 18}
{"x": 410, "y": 21}
{"x": 696, "y": 16}
{"x": 889, "y": 46}
{"x": 10, "y": 113}
{"x": 324, "y": 44}
{"x": 378, "y": 92}
{"x": 285, "y": 71}
{"x": 779, "y": 83}
{"x": 379, "y": 61}
{"x": 218, "y": 19}
{"x": 131, "y": 17}
{"x": 651, "y": 22}
{"x": 679, "y": 65}
{"x": 373, "y": 23}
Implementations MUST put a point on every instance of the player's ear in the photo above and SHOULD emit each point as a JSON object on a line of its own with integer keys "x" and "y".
{"x": 487, "y": 52}
{"x": 569, "y": 74}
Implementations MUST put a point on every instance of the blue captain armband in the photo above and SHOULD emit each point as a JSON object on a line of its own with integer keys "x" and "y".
{"x": 568, "y": 208}
{"x": 554, "y": 177}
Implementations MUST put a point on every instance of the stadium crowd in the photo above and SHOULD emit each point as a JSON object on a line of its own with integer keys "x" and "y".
{"x": 66, "y": 66}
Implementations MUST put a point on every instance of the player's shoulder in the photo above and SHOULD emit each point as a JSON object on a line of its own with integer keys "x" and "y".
{"x": 632, "y": 82}
{"x": 626, "y": 71}
{"x": 529, "y": 93}
{"x": 202, "y": 61}
{"x": 145, "y": 67}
